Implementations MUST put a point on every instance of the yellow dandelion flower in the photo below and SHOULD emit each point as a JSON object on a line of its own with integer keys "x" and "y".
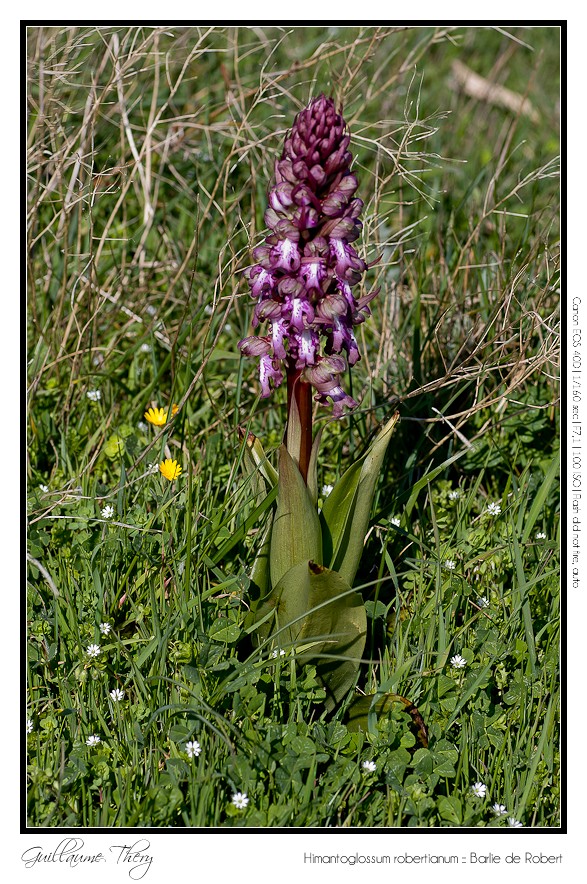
{"x": 174, "y": 410}
{"x": 156, "y": 416}
{"x": 170, "y": 469}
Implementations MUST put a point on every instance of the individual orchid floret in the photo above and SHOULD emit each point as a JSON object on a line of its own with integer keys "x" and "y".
{"x": 306, "y": 269}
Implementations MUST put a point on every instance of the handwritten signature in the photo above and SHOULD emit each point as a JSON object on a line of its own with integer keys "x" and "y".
{"x": 70, "y": 851}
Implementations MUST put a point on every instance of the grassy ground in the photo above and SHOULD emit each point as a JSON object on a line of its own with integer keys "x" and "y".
{"x": 150, "y": 156}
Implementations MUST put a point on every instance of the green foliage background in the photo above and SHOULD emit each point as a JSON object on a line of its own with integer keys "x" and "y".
{"x": 150, "y": 154}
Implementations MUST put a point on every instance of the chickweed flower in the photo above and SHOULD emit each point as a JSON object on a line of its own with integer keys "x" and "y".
{"x": 107, "y": 512}
{"x": 482, "y": 602}
{"x": 494, "y": 509}
{"x": 117, "y": 694}
{"x": 93, "y": 740}
{"x": 458, "y": 662}
{"x": 156, "y": 416}
{"x": 499, "y": 809}
{"x": 369, "y": 766}
{"x": 454, "y": 495}
{"x": 395, "y": 521}
{"x": 105, "y": 628}
{"x": 94, "y": 395}
{"x": 277, "y": 653}
{"x": 240, "y": 800}
{"x": 479, "y": 790}
{"x": 326, "y": 490}
{"x": 306, "y": 268}
{"x": 93, "y": 650}
{"x": 193, "y": 748}
{"x": 450, "y": 564}
{"x": 541, "y": 535}
{"x": 45, "y": 488}
{"x": 29, "y": 725}
{"x": 514, "y": 824}
{"x": 170, "y": 469}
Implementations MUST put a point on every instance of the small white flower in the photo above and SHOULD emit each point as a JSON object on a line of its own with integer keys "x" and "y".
{"x": 458, "y": 662}
{"x": 541, "y": 536}
{"x": 240, "y": 800}
{"x": 193, "y": 748}
{"x": 107, "y": 512}
{"x": 143, "y": 428}
{"x": 450, "y": 564}
{"x": 454, "y": 495}
{"x": 44, "y": 489}
{"x": 278, "y": 653}
{"x": 369, "y": 766}
{"x": 145, "y": 348}
{"x": 117, "y": 694}
{"x": 514, "y": 824}
{"x": 499, "y": 809}
{"x": 105, "y": 628}
{"x": 395, "y": 521}
{"x": 493, "y": 509}
{"x": 483, "y": 602}
{"x": 94, "y": 395}
{"x": 479, "y": 790}
{"x": 152, "y": 468}
{"x": 92, "y": 740}
{"x": 326, "y": 489}
{"x": 29, "y": 725}
{"x": 93, "y": 650}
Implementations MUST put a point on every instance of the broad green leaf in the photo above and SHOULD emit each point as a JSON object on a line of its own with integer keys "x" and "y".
{"x": 347, "y": 509}
{"x": 339, "y": 674}
{"x": 450, "y": 809}
{"x": 296, "y": 536}
{"x": 317, "y": 612}
{"x": 224, "y": 631}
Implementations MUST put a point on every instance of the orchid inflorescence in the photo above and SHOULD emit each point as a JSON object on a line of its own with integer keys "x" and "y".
{"x": 301, "y": 591}
{"x": 307, "y": 267}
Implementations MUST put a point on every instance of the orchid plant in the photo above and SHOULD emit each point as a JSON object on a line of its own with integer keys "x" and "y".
{"x": 305, "y": 283}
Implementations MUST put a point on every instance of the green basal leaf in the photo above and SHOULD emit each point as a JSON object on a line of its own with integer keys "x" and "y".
{"x": 296, "y": 535}
{"x": 346, "y": 511}
{"x": 319, "y": 614}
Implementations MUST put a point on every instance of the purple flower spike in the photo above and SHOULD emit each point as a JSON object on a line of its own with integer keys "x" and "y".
{"x": 306, "y": 268}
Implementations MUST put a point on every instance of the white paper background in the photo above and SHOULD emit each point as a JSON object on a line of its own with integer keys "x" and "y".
{"x": 276, "y": 855}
